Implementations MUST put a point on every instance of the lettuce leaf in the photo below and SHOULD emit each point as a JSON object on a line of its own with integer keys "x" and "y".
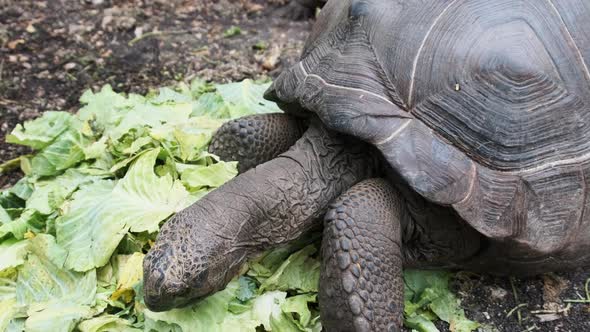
{"x": 4, "y": 216}
{"x": 50, "y": 194}
{"x": 243, "y": 98}
{"x": 8, "y": 307}
{"x": 66, "y": 151}
{"x": 7, "y": 312}
{"x": 40, "y": 132}
{"x": 102, "y": 213}
{"x": 43, "y": 282}
{"x": 211, "y": 314}
{"x": 30, "y": 219}
{"x": 57, "y": 318}
{"x": 12, "y": 254}
{"x": 427, "y": 295}
{"x": 144, "y": 112}
{"x": 299, "y": 272}
{"x": 107, "y": 323}
{"x": 212, "y": 176}
{"x": 104, "y": 109}
{"x": 298, "y": 311}
{"x": 131, "y": 274}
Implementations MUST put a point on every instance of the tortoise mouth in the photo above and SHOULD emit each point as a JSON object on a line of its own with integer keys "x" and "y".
{"x": 165, "y": 287}
{"x": 163, "y": 294}
{"x": 172, "y": 282}
{"x": 165, "y": 302}
{"x": 167, "y": 294}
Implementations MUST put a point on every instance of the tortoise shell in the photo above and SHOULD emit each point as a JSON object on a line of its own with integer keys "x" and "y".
{"x": 480, "y": 105}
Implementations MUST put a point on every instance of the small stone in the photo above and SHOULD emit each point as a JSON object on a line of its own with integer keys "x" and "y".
{"x": 138, "y": 32}
{"x": 254, "y": 7}
{"x": 272, "y": 59}
{"x": 13, "y": 44}
{"x": 70, "y": 65}
{"x": 106, "y": 21}
{"x": 44, "y": 74}
{"x": 126, "y": 22}
{"x": 548, "y": 317}
{"x": 30, "y": 28}
{"x": 498, "y": 293}
{"x": 76, "y": 29}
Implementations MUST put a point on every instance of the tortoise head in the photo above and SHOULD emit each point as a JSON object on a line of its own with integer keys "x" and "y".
{"x": 182, "y": 268}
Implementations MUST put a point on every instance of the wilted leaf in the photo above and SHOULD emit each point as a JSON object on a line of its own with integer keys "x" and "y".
{"x": 29, "y": 219}
{"x": 106, "y": 323}
{"x": 246, "y": 98}
{"x": 40, "y": 132}
{"x": 66, "y": 151}
{"x": 299, "y": 272}
{"x": 130, "y": 274}
{"x": 104, "y": 108}
{"x": 50, "y": 194}
{"x": 42, "y": 283}
{"x": 247, "y": 288}
{"x": 12, "y": 253}
{"x": 57, "y": 318}
{"x": 211, "y": 176}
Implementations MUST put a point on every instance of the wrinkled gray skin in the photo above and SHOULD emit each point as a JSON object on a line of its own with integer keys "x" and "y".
{"x": 424, "y": 134}
{"x": 323, "y": 175}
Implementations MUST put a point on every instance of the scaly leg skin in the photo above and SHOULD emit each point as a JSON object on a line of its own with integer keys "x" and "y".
{"x": 204, "y": 246}
{"x": 255, "y": 139}
{"x": 361, "y": 285}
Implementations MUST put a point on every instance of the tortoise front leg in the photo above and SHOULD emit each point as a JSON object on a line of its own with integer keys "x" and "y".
{"x": 361, "y": 285}
{"x": 204, "y": 246}
{"x": 255, "y": 139}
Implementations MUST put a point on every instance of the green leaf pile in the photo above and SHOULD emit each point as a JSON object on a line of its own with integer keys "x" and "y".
{"x": 427, "y": 296}
{"x": 75, "y": 229}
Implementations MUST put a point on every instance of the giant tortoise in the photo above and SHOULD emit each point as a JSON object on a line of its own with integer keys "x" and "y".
{"x": 427, "y": 133}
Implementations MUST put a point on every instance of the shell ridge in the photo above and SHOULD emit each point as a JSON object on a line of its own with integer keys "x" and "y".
{"x": 572, "y": 41}
{"x": 384, "y": 72}
{"x": 415, "y": 63}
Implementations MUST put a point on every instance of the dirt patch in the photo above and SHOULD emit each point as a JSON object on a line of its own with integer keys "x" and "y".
{"x": 51, "y": 51}
{"x": 531, "y": 304}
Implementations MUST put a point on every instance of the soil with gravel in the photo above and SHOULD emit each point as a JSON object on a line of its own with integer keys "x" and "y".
{"x": 51, "y": 51}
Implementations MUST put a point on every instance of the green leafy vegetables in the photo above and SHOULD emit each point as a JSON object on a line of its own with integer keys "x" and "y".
{"x": 75, "y": 229}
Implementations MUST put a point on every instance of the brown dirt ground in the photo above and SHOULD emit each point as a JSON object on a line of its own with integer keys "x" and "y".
{"x": 51, "y": 51}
